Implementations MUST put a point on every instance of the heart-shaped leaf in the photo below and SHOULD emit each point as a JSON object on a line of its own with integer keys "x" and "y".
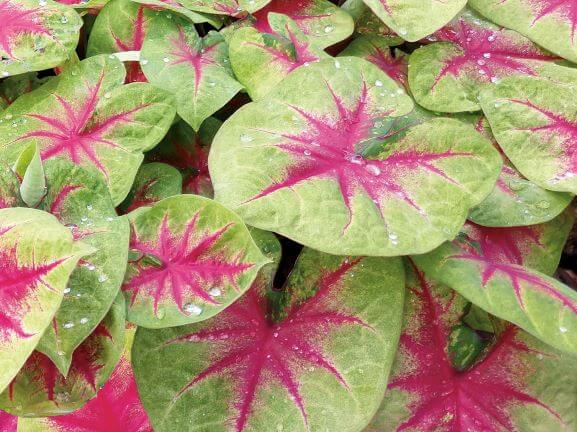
{"x": 181, "y": 8}
{"x": 313, "y": 149}
{"x": 36, "y": 35}
{"x": 81, "y": 201}
{"x": 516, "y": 384}
{"x": 262, "y": 60}
{"x": 534, "y": 122}
{"x": 40, "y": 390}
{"x": 280, "y": 360}
{"x": 468, "y": 55}
{"x": 550, "y": 23}
{"x": 154, "y": 182}
{"x": 504, "y": 271}
{"x": 194, "y": 69}
{"x": 86, "y": 116}
{"x": 324, "y": 23}
{"x": 516, "y": 201}
{"x": 415, "y": 19}
{"x": 121, "y": 26}
{"x": 37, "y": 255}
{"x": 367, "y": 23}
{"x": 377, "y": 50}
{"x": 116, "y": 407}
{"x": 191, "y": 258}
{"x": 188, "y": 151}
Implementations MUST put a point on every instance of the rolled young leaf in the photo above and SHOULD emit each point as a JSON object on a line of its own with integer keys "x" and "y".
{"x": 37, "y": 256}
{"x": 504, "y": 271}
{"x": 415, "y": 19}
{"x": 40, "y": 390}
{"x": 196, "y": 70}
{"x": 358, "y": 191}
{"x": 534, "y": 122}
{"x": 550, "y": 23}
{"x": 36, "y": 35}
{"x": 81, "y": 201}
{"x": 280, "y": 360}
{"x": 517, "y": 383}
{"x": 191, "y": 258}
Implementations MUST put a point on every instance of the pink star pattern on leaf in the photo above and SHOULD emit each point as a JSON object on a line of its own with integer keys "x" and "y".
{"x": 259, "y": 352}
{"x": 16, "y": 21}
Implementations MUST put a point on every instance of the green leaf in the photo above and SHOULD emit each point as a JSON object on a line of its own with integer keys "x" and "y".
{"x": 517, "y": 383}
{"x": 534, "y": 122}
{"x": 415, "y": 19}
{"x": 504, "y": 271}
{"x": 40, "y": 390}
{"x": 262, "y": 60}
{"x": 194, "y": 258}
{"x": 359, "y": 191}
{"x": 36, "y": 35}
{"x": 195, "y": 70}
{"x": 37, "y": 255}
{"x": 81, "y": 201}
{"x": 87, "y": 116}
{"x": 280, "y": 361}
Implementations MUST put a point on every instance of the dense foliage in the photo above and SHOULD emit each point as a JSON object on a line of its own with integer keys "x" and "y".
{"x": 288, "y": 215}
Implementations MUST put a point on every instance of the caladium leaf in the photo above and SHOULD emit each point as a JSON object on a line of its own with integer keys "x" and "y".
{"x": 86, "y": 116}
{"x": 516, "y": 201}
{"x": 191, "y": 258}
{"x": 180, "y": 8}
{"x": 377, "y": 50}
{"x": 366, "y": 22}
{"x": 40, "y": 390}
{"x": 116, "y": 407}
{"x": 36, "y": 35}
{"x": 33, "y": 186}
{"x": 188, "y": 151}
{"x": 234, "y": 8}
{"x": 13, "y": 87}
{"x": 194, "y": 69}
{"x": 260, "y": 61}
{"x": 260, "y": 363}
{"x": 468, "y": 55}
{"x": 37, "y": 255}
{"x": 121, "y": 26}
{"x": 313, "y": 150}
{"x": 81, "y": 201}
{"x": 518, "y": 383}
{"x": 534, "y": 122}
{"x": 324, "y": 23}
{"x": 550, "y": 23}
{"x": 154, "y": 182}
{"x": 415, "y": 19}
{"x": 504, "y": 271}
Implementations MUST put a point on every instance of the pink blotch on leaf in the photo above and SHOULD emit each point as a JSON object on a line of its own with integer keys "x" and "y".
{"x": 17, "y": 21}
{"x": 444, "y": 399}
{"x": 134, "y": 43}
{"x": 487, "y": 54}
{"x": 395, "y": 67}
{"x": 189, "y": 265}
{"x": 566, "y": 10}
{"x": 258, "y": 352}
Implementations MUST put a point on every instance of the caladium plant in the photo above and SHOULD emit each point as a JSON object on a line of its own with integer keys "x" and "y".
{"x": 308, "y": 215}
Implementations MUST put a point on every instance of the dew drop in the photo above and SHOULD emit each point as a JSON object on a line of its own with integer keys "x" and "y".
{"x": 356, "y": 159}
{"x": 487, "y": 55}
{"x": 337, "y": 64}
{"x": 89, "y": 207}
{"x": 373, "y": 169}
{"x": 107, "y": 95}
{"x": 165, "y": 59}
{"x": 83, "y": 320}
{"x": 63, "y": 20}
{"x": 212, "y": 84}
{"x": 66, "y": 290}
{"x": 102, "y": 278}
{"x": 378, "y": 83}
{"x": 91, "y": 267}
{"x": 329, "y": 28}
{"x": 68, "y": 325}
{"x": 144, "y": 61}
{"x": 246, "y": 138}
{"x": 491, "y": 38}
{"x": 402, "y": 31}
{"x": 192, "y": 309}
{"x": 42, "y": 3}
{"x": 494, "y": 80}
{"x": 275, "y": 334}
{"x": 393, "y": 236}
{"x": 307, "y": 152}
{"x": 215, "y": 292}
{"x": 563, "y": 329}
{"x": 109, "y": 218}
{"x": 481, "y": 62}
{"x": 482, "y": 72}
{"x": 60, "y": 353}
{"x": 543, "y": 204}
